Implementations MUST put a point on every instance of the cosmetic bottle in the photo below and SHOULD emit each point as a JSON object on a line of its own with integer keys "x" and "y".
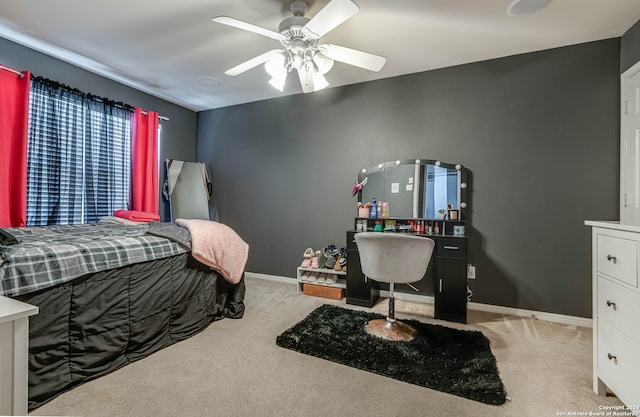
{"x": 373, "y": 210}
{"x": 385, "y": 209}
{"x": 436, "y": 228}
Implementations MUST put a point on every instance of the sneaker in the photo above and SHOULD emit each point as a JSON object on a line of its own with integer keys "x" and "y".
{"x": 331, "y": 279}
{"x": 330, "y": 253}
{"x": 305, "y": 276}
{"x": 322, "y": 278}
{"x": 313, "y": 277}
{"x": 322, "y": 259}
{"x": 343, "y": 258}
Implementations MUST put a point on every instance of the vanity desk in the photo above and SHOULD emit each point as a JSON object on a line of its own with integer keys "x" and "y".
{"x": 446, "y": 276}
{"x": 416, "y": 190}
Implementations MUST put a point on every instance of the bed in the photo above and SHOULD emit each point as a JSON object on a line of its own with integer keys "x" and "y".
{"x": 108, "y": 294}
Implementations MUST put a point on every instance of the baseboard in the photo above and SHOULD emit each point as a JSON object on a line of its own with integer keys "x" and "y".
{"x": 489, "y": 308}
{"x": 276, "y": 278}
{"x": 536, "y": 315}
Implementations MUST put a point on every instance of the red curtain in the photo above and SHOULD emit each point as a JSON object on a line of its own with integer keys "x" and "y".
{"x": 144, "y": 167}
{"x": 14, "y": 117}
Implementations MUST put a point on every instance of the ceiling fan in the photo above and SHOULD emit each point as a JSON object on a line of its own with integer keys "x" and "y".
{"x": 303, "y": 51}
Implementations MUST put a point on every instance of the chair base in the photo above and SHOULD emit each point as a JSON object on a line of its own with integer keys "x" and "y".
{"x": 395, "y": 331}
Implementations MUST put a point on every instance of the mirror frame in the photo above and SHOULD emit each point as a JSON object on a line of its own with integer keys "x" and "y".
{"x": 463, "y": 183}
{"x": 198, "y": 189}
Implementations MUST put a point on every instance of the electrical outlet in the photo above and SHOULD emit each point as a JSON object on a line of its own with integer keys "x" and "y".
{"x": 471, "y": 272}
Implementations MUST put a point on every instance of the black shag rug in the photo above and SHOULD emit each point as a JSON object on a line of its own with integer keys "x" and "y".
{"x": 458, "y": 362}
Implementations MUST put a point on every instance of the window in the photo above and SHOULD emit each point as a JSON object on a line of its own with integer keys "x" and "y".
{"x": 79, "y": 156}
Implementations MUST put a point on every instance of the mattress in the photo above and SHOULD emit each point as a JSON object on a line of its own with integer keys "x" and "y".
{"x": 50, "y": 255}
{"x": 101, "y": 309}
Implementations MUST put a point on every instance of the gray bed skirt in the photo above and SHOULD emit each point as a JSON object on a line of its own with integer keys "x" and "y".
{"x": 96, "y": 324}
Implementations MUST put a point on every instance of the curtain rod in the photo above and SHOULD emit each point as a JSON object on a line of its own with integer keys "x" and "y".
{"x": 93, "y": 97}
{"x": 159, "y": 117}
{"x": 12, "y": 70}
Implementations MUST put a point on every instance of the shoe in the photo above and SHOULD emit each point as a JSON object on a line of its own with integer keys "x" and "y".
{"x": 314, "y": 260}
{"x": 308, "y": 255}
{"x": 343, "y": 259}
{"x": 330, "y": 254}
{"x": 337, "y": 266}
{"x": 305, "y": 276}
{"x": 313, "y": 277}
{"x": 331, "y": 279}
{"x": 322, "y": 260}
{"x": 322, "y": 278}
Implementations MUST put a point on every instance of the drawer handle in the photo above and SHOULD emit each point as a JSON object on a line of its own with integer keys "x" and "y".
{"x": 611, "y": 304}
{"x": 612, "y": 259}
{"x": 612, "y": 357}
{"x": 451, "y": 247}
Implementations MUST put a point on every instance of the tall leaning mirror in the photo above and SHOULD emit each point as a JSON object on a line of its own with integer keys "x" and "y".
{"x": 189, "y": 189}
{"x": 416, "y": 188}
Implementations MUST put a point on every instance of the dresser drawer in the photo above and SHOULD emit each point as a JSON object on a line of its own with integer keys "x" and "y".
{"x": 620, "y": 306}
{"x": 451, "y": 247}
{"x": 619, "y": 359}
{"x": 618, "y": 258}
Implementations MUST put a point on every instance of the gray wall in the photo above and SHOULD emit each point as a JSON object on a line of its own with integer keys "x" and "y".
{"x": 539, "y": 133}
{"x": 178, "y": 138}
{"x": 630, "y": 48}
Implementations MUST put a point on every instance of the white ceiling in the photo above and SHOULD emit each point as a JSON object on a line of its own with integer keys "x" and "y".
{"x": 164, "y": 47}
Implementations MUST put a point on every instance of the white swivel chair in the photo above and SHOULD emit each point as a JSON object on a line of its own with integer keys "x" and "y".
{"x": 393, "y": 258}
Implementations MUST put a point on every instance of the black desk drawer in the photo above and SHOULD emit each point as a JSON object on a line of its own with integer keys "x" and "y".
{"x": 452, "y": 247}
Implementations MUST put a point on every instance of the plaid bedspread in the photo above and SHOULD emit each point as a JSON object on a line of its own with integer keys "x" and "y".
{"x": 50, "y": 255}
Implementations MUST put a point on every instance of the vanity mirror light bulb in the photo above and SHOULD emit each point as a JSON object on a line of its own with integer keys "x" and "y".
{"x": 463, "y": 185}
{"x": 364, "y": 170}
{"x": 438, "y": 163}
{"x": 380, "y": 166}
{"x": 417, "y": 161}
{"x": 458, "y": 167}
{"x": 398, "y": 162}
{"x": 463, "y": 205}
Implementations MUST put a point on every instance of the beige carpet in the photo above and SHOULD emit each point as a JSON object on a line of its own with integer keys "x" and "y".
{"x": 234, "y": 368}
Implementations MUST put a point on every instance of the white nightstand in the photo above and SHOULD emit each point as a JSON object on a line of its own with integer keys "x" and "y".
{"x": 14, "y": 356}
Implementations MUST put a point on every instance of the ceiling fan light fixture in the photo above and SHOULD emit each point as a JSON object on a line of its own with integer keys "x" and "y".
{"x": 297, "y": 61}
{"x": 276, "y": 65}
{"x": 323, "y": 62}
{"x": 319, "y": 82}
{"x": 300, "y": 38}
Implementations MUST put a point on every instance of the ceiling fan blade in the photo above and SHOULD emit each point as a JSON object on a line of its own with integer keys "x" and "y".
{"x": 230, "y": 21}
{"x": 253, "y": 62}
{"x": 354, "y": 57}
{"x": 306, "y": 80}
{"x": 331, "y": 16}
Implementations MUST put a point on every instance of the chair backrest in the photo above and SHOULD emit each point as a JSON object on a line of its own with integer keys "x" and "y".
{"x": 394, "y": 257}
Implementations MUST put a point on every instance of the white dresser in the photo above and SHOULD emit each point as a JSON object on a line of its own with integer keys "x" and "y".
{"x": 616, "y": 311}
{"x": 14, "y": 355}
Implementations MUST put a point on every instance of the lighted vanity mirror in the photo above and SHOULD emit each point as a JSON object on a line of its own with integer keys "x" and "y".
{"x": 189, "y": 190}
{"x": 416, "y": 188}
